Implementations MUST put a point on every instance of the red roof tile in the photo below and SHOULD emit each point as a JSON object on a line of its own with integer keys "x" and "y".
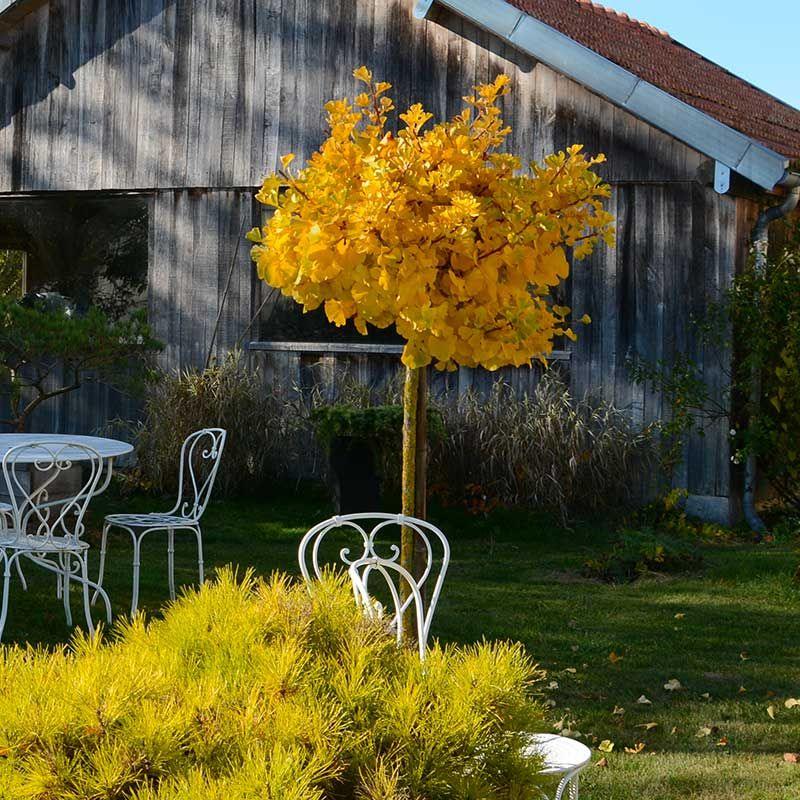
{"x": 656, "y": 57}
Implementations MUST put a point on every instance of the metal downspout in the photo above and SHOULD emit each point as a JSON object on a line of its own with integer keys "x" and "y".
{"x": 760, "y": 250}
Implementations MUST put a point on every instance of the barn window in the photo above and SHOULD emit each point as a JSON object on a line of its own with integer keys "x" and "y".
{"x": 90, "y": 248}
{"x": 283, "y": 320}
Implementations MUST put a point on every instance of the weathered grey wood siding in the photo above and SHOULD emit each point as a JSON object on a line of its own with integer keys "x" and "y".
{"x": 193, "y": 101}
{"x": 197, "y": 249}
{"x": 123, "y": 94}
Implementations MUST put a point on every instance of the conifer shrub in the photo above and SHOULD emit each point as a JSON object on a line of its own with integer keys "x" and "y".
{"x": 260, "y": 689}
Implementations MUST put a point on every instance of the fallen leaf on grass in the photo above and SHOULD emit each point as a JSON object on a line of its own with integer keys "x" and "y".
{"x": 791, "y": 758}
{"x": 618, "y": 711}
{"x": 723, "y": 742}
{"x": 672, "y": 685}
{"x": 643, "y": 701}
{"x": 706, "y": 696}
{"x": 636, "y": 749}
{"x": 744, "y": 656}
{"x": 606, "y": 746}
{"x": 552, "y": 685}
{"x": 613, "y": 657}
{"x": 648, "y": 726}
{"x": 742, "y": 690}
{"x": 571, "y": 670}
{"x": 602, "y": 763}
{"x": 680, "y": 616}
{"x": 771, "y": 712}
{"x": 792, "y": 702}
{"x": 701, "y": 732}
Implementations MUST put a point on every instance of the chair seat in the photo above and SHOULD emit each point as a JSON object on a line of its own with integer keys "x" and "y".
{"x": 560, "y": 753}
{"x": 13, "y": 540}
{"x": 151, "y": 521}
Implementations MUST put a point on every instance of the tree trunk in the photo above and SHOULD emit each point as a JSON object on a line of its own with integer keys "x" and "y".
{"x": 415, "y": 467}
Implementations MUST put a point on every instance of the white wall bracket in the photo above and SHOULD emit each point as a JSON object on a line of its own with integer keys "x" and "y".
{"x": 722, "y": 178}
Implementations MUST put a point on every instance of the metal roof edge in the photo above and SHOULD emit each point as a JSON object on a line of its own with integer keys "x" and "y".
{"x": 699, "y": 130}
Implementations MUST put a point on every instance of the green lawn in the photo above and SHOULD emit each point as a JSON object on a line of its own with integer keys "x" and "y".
{"x": 730, "y": 635}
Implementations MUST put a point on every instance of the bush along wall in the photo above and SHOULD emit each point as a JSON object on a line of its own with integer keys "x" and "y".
{"x": 252, "y": 689}
{"x": 546, "y": 451}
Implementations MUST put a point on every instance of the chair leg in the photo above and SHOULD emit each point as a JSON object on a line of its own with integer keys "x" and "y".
{"x": 199, "y": 534}
{"x": 87, "y": 610}
{"x": 21, "y": 575}
{"x": 137, "y": 547}
{"x": 101, "y": 571}
{"x": 102, "y": 592}
{"x": 6, "y": 581}
{"x": 65, "y": 567}
{"x": 171, "y": 561}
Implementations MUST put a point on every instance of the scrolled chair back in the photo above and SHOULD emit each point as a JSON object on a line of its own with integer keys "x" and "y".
{"x": 42, "y": 506}
{"x": 201, "y": 454}
{"x": 372, "y": 553}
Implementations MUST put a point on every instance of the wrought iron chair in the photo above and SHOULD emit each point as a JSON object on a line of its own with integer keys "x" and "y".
{"x": 562, "y": 756}
{"x": 48, "y": 530}
{"x": 199, "y": 463}
{"x": 368, "y": 527}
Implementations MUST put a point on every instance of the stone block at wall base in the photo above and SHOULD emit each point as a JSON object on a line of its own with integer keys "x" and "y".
{"x": 712, "y": 508}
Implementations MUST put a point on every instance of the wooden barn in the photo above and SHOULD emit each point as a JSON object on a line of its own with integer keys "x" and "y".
{"x": 176, "y": 109}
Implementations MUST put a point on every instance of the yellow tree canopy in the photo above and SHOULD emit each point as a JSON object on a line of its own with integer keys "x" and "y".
{"x": 433, "y": 229}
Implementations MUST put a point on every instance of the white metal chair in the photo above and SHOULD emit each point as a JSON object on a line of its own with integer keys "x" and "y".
{"x": 369, "y": 527}
{"x": 563, "y": 757}
{"x": 199, "y": 463}
{"x": 48, "y": 531}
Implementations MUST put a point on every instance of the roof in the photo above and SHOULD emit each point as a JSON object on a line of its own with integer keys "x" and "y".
{"x": 654, "y": 56}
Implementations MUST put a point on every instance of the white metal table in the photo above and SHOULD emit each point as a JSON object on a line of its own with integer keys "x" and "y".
{"x": 109, "y": 449}
{"x": 70, "y": 449}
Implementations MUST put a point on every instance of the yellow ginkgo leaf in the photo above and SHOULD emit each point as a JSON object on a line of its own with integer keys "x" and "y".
{"x": 606, "y": 746}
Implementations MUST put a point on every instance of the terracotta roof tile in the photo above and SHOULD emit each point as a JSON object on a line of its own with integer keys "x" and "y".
{"x": 656, "y": 57}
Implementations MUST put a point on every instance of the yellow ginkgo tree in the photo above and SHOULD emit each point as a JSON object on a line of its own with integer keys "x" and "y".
{"x": 433, "y": 229}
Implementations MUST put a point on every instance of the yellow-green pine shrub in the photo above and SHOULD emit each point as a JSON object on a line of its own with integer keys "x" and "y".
{"x": 260, "y": 689}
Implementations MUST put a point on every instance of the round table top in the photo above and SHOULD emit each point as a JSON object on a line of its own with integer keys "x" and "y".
{"x": 107, "y": 448}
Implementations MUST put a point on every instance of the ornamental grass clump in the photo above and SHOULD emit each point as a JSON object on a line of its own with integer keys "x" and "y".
{"x": 260, "y": 689}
